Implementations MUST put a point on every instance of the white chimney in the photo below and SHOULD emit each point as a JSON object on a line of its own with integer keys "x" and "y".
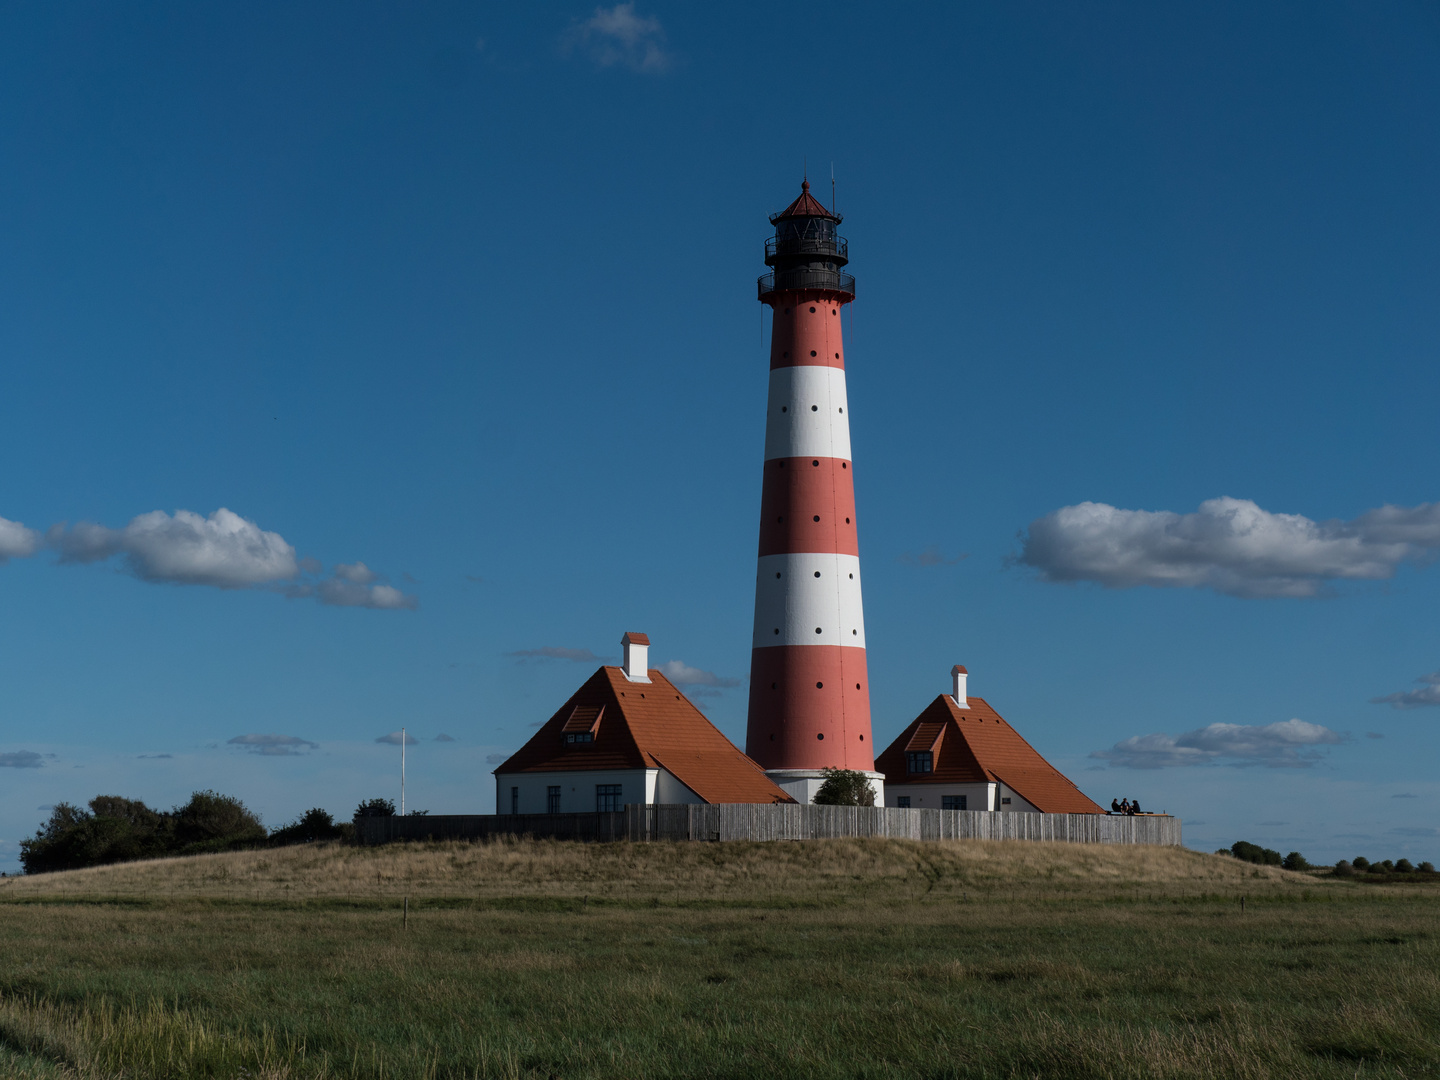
{"x": 959, "y": 674}
{"x": 637, "y": 657}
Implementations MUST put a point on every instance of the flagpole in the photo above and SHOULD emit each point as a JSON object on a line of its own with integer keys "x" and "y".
{"x": 402, "y": 772}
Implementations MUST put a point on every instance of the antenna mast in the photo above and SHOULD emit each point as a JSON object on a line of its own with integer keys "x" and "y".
{"x": 402, "y": 772}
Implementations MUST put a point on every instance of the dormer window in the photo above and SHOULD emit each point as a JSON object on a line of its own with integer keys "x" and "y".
{"x": 919, "y": 762}
{"x": 583, "y": 724}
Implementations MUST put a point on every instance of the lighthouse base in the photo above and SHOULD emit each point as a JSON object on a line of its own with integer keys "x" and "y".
{"x": 802, "y": 784}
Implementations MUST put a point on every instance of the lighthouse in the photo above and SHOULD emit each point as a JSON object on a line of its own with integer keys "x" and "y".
{"x": 809, "y": 689}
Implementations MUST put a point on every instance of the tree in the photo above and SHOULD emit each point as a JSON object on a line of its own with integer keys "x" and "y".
{"x": 845, "y": 787}
{"x": 214, "y": 822}
{"x": 1295, "y": 861}
{"x": 315, "y": 824}
{"x": 376, "y": 808}
{"x": 1402, "y": 866}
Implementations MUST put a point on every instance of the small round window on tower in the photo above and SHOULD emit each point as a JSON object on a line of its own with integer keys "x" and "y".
{"x": 817, "y": 517}
{"x": 819, "y": 686}
{"x": 820, "y": 735}
{"x": 817, "y": 573}
{"x": 817, "y": 629}
{"x": 812, "y": 351}
{"x": 814, "y": 408}
{"x": 812, "y": 311}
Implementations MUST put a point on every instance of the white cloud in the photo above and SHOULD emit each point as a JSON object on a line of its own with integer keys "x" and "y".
{"x": 394, "y": 739}
{"x": 338, "y": 592}
{"x": 1286, "y": 744}
{"x": 274, "y": 745}
{"x": 21, "y": 759}
{"x": 16, "y": 541}
{"x": 682, "y": 674}
{"x": 1229, "y": 545}
{"x": 1428, "y": 694}
{"x": 357, "y": 572}
{"x": 223, "y": 550}
{"x": 617, "y": 37}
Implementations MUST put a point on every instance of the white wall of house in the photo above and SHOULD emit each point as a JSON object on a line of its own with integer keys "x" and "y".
{"x": 929, "y": 796}
{"x": 577, "y": 789}
{"x": 668, "y": 789}
{"x": 1010, "y": 801}
{"x": 977, "y": 797}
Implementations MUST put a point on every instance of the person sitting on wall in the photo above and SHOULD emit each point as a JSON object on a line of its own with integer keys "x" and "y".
{"x": 1115, "y": 806}
{"x": 1135, "y": 807}
{"x": 1124, "y": 806}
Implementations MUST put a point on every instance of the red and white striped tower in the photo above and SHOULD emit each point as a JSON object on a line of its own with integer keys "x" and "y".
{"x": 809, "y": 691}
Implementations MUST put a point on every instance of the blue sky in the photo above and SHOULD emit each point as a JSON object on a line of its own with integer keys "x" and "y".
{"x": 451, "y": 310}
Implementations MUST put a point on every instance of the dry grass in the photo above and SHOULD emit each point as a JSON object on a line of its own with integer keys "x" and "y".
{"x": 751, "y": 871}
{"x": 867, "y": 959}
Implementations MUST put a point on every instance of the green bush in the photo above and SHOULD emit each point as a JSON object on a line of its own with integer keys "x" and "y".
{"x": 116, "y": 829}
{"x": 1295, "y": 861}
{"x": 1402, "y": 866}
{"x": 315, "y": 824}
{"x": 845, "y": 787}
{"x": 1360, "y": 862}
{"x": 1254, "y": 853}
{"x": 1344, "y": 868}
{"x": 1427, "y": 868}
{"x": 214, "y": 822}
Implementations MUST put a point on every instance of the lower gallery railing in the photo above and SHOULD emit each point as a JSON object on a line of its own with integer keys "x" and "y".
{"x": 783, "y": 821}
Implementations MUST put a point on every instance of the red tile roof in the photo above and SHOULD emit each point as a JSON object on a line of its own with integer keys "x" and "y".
{"x": 632, "y": 638}
{"x": 975, "y": 745}
{"x": 646, "y": 726}
{"x": 805, "y": 206}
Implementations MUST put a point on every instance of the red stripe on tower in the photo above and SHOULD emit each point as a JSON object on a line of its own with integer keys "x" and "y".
{"x": 809, "y": 692}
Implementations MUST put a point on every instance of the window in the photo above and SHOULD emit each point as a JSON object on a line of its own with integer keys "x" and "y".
{"x": 552, "y": 799}
{"x": 952, "y": 802}
{"x": 920, "y": 762}
{"x": 514, "y": 800}
{"x": 903, "y": 801}
{"x": 607, "y": 798}
{"x": 572, "y": 737}
{"x": 1005, "y": 801}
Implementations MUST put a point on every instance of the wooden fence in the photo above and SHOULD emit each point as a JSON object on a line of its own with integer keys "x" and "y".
{"x": 782, "y": 821}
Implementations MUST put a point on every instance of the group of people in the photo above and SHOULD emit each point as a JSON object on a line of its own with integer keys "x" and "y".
{"x": 1125, "y": 806}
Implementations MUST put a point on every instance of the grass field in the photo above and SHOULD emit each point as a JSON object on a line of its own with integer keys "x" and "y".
{"x": 830, "y": 959}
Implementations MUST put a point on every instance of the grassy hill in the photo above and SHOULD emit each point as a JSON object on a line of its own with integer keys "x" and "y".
{"x": 842, "y": 958}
